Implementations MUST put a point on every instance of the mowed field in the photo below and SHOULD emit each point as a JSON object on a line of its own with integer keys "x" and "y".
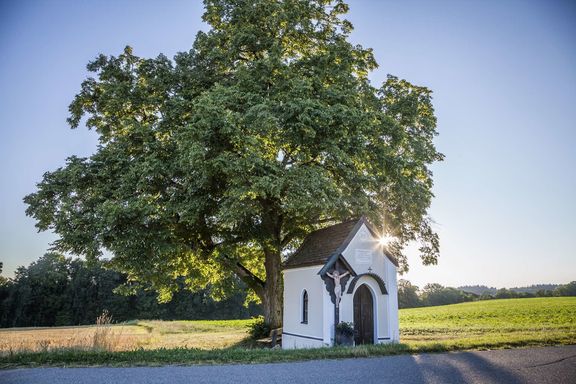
{"x": 482, "y": 324}
{"x": 491, "y": 323}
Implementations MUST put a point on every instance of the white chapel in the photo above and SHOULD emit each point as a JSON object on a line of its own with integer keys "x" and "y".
{"x": 340, "y": 274}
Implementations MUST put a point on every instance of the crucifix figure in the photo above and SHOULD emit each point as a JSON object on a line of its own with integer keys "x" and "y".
{"x": 337, "y": 287}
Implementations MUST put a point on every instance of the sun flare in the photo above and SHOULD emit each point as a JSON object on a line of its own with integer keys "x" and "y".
{"x": 385, "y": 240}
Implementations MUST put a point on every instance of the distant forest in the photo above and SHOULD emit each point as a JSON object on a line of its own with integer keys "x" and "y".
{"x": 410, "y": 296}
{"x": 482, "y": 289}
{"x": 56, "y": 290}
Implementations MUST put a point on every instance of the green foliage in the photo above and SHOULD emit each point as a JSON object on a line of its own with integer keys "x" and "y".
{"x": 408, "y": 295}
{"x": 530, "y": 290}
{"x": 436, "y": 294}
{"x": 220, "y": 161}
{"x": 259, "y": 329}
{"x": 538, "y": 290}
{"x": 41, "y": 296}
{"x": 566, "y": 290}
{"x": 56, "y": 290}
{"x": 3, "y": 285}
{"x": 345, "y": 328}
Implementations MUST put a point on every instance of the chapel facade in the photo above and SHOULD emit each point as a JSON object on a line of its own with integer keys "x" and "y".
{"x": 339, "y": 274}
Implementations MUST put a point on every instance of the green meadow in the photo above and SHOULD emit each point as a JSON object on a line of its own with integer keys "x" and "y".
{"x": 491, "y": 323}
{"x": 477, "y": 325}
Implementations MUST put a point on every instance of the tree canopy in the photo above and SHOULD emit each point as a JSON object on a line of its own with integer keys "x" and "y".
{"x": 221, "y": 160}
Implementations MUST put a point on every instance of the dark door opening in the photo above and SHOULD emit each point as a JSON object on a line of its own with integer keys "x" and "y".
{"x": 363, "y": 316}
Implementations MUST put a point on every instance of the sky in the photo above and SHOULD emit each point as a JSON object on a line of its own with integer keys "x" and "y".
{"x": 503, "y": 75}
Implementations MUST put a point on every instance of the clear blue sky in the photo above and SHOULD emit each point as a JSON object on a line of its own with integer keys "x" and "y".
{"x": 504, "y": 80}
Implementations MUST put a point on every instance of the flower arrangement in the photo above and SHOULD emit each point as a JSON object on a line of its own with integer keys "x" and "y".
{"x": 345, "y": 328}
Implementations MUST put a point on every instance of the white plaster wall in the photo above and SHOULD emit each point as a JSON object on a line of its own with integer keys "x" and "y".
{"x": 293, "y": 342}
{"x": 358, "y": 250}
{"x": 371, "y": 259}
{"x": 328, "y": 323}
{"x": 392, "y": 285}
{"x": 310, "y": 335}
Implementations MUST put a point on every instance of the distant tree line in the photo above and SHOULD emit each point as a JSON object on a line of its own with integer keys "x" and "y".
{"x": 410, "y": 296}
{"x": 56, "y": 290}
{"x": 482, "y": 289}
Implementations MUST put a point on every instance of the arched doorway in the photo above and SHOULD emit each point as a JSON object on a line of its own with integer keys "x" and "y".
{"x": 363, "y": 316}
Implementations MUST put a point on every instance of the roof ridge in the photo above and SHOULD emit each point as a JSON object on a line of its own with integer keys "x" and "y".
{"x": 320, "y": 244}
{"x": 323, "y": 246}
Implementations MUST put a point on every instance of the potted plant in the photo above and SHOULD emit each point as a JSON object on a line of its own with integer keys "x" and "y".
{"x": 345, "y": 333}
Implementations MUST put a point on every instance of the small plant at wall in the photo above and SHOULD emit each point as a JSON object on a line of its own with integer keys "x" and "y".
{"x": 344, "y": 334}
{"x": 345, "y": 328}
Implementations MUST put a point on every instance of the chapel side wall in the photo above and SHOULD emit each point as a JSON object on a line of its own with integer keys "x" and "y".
{"x": 392, "y": 281}
{"x": 295, "y": 334}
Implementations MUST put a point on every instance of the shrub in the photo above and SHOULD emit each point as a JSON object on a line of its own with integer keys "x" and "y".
{"x": 259, "y": 329}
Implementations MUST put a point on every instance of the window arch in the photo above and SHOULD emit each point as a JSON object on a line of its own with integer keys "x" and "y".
{"x": 305, "y": 307}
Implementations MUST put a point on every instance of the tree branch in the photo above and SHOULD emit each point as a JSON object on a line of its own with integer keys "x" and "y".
{"x": 249, "y": 278}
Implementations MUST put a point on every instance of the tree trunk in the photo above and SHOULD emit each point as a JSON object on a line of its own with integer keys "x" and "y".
{"x": 271, "y": 291}
{"x": 272, "y": 300}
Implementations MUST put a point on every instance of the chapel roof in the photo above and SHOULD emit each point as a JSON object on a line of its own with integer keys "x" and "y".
{"x": 326, "y": 243}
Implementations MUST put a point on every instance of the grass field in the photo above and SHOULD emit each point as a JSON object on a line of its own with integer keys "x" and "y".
{"x": 492, "y": 323}
{"x": 147, "y": 334}
{"x": 477, "y": 325}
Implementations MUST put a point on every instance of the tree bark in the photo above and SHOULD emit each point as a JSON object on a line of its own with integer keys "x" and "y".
{"x": 272, "y": 300}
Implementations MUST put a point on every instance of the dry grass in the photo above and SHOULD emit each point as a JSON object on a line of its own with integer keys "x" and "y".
{"x": 105, "y": 336}
{"x": 115, "y": 338}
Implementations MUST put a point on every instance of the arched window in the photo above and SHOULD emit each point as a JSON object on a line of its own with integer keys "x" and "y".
{"x": 305, "y": 307}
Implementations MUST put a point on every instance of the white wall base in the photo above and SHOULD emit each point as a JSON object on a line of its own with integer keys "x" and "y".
{"x": 301, "y": 341}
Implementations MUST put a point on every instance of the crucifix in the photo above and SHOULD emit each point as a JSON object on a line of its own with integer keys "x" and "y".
{"x": 336, "y": 276}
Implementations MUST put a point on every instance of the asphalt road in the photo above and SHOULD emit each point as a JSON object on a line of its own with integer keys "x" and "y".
{"x": 539, "y": 365}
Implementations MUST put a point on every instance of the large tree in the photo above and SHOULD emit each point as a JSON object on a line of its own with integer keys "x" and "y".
{"x": 220, "y": 161}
